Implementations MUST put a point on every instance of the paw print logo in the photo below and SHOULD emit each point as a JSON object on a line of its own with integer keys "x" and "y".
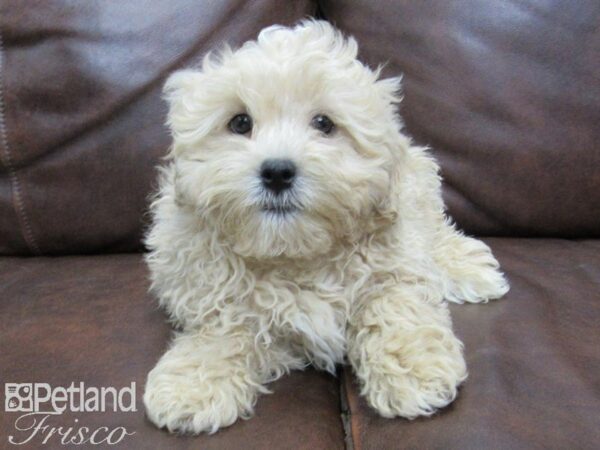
{"x": 18, "y": 397}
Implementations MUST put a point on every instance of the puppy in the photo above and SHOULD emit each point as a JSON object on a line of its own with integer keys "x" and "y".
{"x": 295, "y": 224}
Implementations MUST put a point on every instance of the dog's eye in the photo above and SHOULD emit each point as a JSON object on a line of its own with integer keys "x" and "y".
{"x": 240, "y": 124}
{"x": 322, "y": 123}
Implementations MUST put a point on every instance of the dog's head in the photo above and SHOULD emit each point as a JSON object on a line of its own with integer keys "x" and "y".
{"x": 287, "y": 146}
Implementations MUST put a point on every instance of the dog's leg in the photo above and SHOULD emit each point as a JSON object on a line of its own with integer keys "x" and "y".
{"x": 471, "y": 273}
{"x": 203, "y": 383}
{"x": 403, "y": 350}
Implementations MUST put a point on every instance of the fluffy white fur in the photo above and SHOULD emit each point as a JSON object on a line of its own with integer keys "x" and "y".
{"x": 360, "y": 270}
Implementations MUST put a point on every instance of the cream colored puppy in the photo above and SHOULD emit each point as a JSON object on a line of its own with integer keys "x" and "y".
{"x": 295, "y": 224}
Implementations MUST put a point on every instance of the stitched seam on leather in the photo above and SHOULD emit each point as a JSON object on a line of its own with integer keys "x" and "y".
{"x": 344, "y": 412}
{"x": 18, "y": 204}
{"x": 352, "y": 441}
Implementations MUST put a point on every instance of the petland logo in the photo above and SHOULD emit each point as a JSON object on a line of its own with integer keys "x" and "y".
{"x": 40, "y": 401}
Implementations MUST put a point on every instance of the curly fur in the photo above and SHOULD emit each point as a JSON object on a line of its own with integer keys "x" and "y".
{"x": 360, "y": 270}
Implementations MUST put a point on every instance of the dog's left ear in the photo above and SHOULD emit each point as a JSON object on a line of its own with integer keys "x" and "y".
{"x": 389, "y": 91}
{"x": 397, "y": 144}
{"x": 390, "y": 88}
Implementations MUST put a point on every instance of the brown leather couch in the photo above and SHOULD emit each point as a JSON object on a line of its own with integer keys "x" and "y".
{"x": 506, "y": 92}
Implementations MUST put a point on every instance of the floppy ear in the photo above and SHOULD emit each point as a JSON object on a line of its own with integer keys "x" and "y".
{"x": 181, "y": 93}
{"x": 180, "y": 84}
{"x": 398, "y": 145}
{"x": 390, "y": 88}
{"x": 390, "y": 93}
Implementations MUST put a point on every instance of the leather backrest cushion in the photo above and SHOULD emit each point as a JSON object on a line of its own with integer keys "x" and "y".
{"x": 507, "y": 93}
{"x": 82, "y": 118}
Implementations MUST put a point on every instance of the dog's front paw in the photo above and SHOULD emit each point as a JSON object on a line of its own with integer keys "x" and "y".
{"x": 201, "y": 384}
{"x": 414, "y": 379}
{"x": 409, "y": 395}
{"x": 188, "y": 401}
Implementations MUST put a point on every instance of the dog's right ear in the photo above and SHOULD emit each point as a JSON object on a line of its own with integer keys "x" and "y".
{"x": 182, "y": 91}
{"x": 181, "y": 83}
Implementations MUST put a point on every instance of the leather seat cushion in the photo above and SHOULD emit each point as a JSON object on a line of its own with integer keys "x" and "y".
{"x": 533, "y": 356}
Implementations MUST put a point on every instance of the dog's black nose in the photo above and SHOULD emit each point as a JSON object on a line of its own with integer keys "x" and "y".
{"x": 277, "y": 175}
